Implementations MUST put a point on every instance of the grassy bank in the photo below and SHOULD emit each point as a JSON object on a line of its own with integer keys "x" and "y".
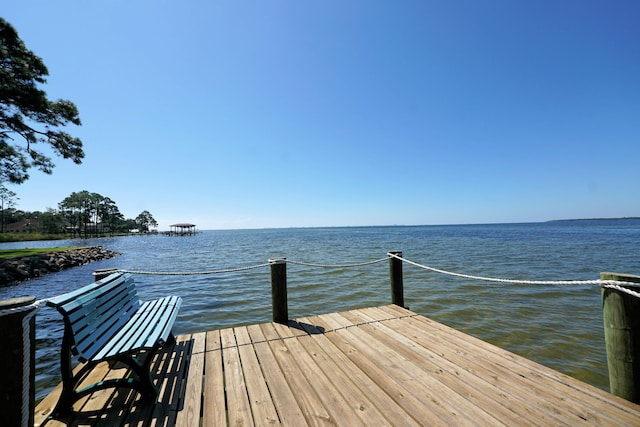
{"x": 15, "y": 253}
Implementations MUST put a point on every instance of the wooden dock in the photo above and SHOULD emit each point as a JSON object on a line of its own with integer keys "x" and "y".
{"x": 370, "y": 367}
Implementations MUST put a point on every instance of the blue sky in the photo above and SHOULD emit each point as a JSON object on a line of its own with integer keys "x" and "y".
{"x": 247, "y": 114}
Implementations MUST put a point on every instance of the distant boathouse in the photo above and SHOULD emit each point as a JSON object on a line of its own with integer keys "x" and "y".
{"x": 182, "y": 230}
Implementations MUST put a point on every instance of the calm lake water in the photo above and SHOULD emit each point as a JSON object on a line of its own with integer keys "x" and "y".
{"x": 557, "y": 325}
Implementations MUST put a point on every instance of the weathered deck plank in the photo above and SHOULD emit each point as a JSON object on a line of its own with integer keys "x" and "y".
{"x": 288, "y": 410}
{"x": 189, "y": 414}
{"x": 534, "y": 385}
{"x": 374, "y": 366}
{"x": 347, "y": 360}
{"x": 391, "y": 371}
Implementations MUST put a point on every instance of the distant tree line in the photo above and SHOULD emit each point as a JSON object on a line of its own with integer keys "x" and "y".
{"x": 81, "y": 214}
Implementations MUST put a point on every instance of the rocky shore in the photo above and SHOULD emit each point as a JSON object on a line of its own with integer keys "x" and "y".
{"x": 23, "y": 268}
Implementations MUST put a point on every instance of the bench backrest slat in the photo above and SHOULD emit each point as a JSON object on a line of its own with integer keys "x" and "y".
{"x": 90, "y": 347}
{"x": 68, "y": 302}
{"x": 94, "y": 333}
{"x": 79, "y": 309}
{"x": 96, "y": 311}
{"x": 98, "y": 325}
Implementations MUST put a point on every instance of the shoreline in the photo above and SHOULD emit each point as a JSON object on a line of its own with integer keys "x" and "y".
{"x": 16, "y": 270}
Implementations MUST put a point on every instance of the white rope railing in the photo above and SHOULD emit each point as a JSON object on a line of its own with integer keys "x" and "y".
{"x": 191, "y": 273}
{"x": 612, "y": 284}
{"x": 232, "y": 270}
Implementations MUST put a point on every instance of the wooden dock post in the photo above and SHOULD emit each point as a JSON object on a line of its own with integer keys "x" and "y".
{"x": 395, "y": 273}
{"x": 621, "y": 315}
{"x": 103, "y": 272}
{"x": 17, "y": 388}
{"x": 279, "y": 290}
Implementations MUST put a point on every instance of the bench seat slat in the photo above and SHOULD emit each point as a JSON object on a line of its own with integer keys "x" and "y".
{"x": 119, "y": 343}
{"x": 162, "y": 317}
{"x": 150, "y": 324}
{"x": 150, "y": 328}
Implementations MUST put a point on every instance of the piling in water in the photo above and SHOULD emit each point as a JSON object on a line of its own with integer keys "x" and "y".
{"x": 621, "y": 315}
{"x": 397, "y": 283}
{"x": 279, "y": 290}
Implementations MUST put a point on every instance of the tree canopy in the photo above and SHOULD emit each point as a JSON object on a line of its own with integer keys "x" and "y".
{"x": 28, "y": 114}
{"x": 6, "y": 199}
{"x": 83, "y": 209}
{"x": 146, "y": 220}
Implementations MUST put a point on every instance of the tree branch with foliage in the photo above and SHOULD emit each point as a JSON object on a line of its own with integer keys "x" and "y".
{"x": 23, "y": 106}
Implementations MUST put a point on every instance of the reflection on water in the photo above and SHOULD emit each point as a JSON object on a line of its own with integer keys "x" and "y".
{"x": 559, "y": 326}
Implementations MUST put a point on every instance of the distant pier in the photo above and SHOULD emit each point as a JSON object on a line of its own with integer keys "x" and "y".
{"x": 182, "y": 229}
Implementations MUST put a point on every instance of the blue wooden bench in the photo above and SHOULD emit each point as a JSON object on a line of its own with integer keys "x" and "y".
{"x": 106, "y": 321}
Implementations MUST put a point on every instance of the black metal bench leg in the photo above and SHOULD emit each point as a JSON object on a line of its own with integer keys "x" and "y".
{"x": 171, "y": 339}
{"x": 146, "y": 370}
{"x": 144, "y": 384}
{"x": 69, "y": 380}
{"x": 69, "y": 395}
{"x": 143, "y": 372}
